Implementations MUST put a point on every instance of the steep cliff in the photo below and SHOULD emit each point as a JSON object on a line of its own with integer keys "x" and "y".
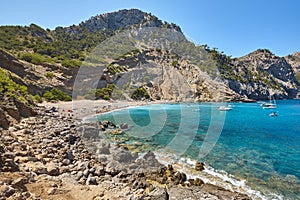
{"x": 261, "y": 74}
{"x": 294, "y": 61}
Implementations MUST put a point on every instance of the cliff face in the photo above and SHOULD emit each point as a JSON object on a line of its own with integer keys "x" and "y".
{"x": 167, "y": 77}
{"x": 294, "y": 61}
{"x": 261, "y": 74}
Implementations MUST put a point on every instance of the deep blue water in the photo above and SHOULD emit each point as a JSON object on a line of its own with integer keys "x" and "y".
{"x": 250, "y": 144}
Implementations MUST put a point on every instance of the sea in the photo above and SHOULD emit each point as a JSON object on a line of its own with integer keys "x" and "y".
{"x": 246, "y": 147}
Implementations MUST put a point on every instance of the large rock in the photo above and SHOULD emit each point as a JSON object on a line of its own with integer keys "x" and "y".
{"x": 90, "y": 132}
{"x": 159, "y": 194}
{"x": 124, "y": 156}
{"x": 52, "y": 169}
{"x": 4, "y": 123}
{"x": 199, "y": 166}
{"x": 24, "y": 110}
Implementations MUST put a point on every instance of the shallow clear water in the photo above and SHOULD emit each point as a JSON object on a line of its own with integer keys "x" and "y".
{"x": 251, "y": 145}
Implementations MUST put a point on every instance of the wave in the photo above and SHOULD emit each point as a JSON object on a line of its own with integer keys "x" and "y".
{"x": 212, "y": 176}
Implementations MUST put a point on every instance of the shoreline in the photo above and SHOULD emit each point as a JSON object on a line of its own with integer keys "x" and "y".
{"x": 210, "y": 175}
{"x": 113, "y": 172}
{"x": 95, "y": 107}
{"x": 120, "y": 105}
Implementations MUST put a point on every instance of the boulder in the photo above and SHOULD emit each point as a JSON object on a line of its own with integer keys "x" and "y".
{"x": 124, "y": 126}
{"x": 124, "y": 156}
{"x": 103, "y": 147}
{"x": 4, "y": 123}
{"x": 91, "y": 181}
{"x": 179, "y": 177}
{"x": 159, "y": 194}
{"x": 52, "y": 169}
{"x": 24, "y": 110}
{"x": 199, "y": 166}
{"x": 196, "y": 182}
{"x": 113, "y": 168}
{"x": 37, "y": 167}
{"x": 90, "y": 132}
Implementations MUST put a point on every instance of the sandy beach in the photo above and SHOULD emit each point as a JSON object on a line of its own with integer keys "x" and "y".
{"x": 80, "y": 109}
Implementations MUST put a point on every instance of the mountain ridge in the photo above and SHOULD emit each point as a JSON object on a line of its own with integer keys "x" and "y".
{"x": 123, "y": 19}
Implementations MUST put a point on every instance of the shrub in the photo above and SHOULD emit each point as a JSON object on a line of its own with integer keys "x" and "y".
{"x": 111, "y": 69}
{"x": 70, "y": 63}
{"x": 140, "y": 93}
{"x": 38, "y": 98}
{"x": 56, "y": 95}
{"x": 174, "y": 63}
{"x": 49, "y": 75}
{"x": 102, "y": 93}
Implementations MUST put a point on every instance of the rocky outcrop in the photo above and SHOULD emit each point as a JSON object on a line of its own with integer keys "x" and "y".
{"x": 123, "y": 19}
{"x": 294, "y": 61}
{"x": 14, "y": 112}
{"x": 4, "y": 122}
{"x": 9, "y": 62}
{"x": 34, "y": 77}
{"x": 261, "y": 74}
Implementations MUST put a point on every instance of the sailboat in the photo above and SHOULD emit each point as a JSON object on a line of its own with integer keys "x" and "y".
{"x": 270, "y": 105}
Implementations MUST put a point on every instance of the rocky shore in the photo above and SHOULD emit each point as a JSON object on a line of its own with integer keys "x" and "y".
{"x": 53, "y": 156}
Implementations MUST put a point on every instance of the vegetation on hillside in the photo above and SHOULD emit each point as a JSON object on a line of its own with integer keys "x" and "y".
{"x": 102, "y": 93}
{"x": 56, "y": 95}
{"x": 9, "y": 90}
{"x": 68, "y": 46}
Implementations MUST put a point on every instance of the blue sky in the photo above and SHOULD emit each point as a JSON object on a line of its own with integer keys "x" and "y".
{"x": 236, "y": 27}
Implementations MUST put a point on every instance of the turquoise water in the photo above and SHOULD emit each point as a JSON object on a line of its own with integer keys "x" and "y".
{"x": 251, "y": 145}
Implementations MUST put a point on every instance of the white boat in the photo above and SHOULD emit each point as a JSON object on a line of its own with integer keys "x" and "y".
{"x": 270, "y": 105}
{"x": 225, "y": 108}
{"x": 273, "y": 114}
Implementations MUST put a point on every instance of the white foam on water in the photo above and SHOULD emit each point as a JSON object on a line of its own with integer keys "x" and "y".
{"x": 212, "y": 176}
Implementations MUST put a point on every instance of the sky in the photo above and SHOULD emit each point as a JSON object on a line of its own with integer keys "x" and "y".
{"x": 236, "y": 27}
